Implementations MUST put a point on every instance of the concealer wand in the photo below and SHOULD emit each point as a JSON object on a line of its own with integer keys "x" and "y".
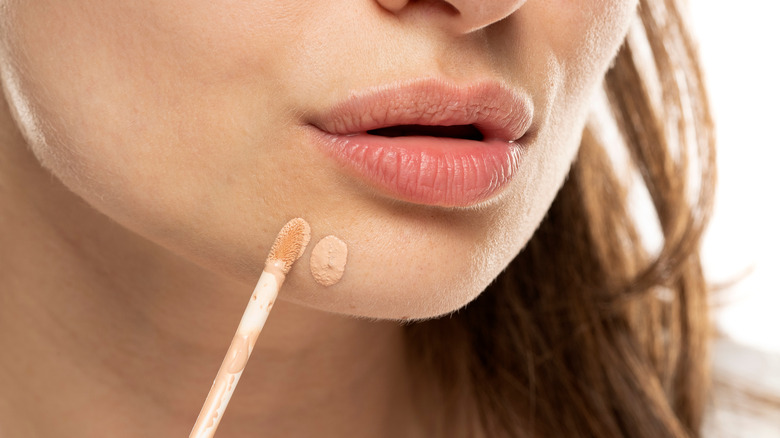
{"x": 287, "y": 248}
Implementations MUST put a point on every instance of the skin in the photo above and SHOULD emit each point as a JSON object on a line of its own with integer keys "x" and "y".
{"x": 174, "y": 134}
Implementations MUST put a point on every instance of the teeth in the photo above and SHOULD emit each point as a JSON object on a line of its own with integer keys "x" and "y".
{"x": 468, "y": 132}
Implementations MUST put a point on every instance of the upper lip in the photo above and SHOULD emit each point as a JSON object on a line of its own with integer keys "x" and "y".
{"x": 497, "y": 111}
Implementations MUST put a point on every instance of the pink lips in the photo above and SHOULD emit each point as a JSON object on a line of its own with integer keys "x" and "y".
{"x": 430, "y": 168}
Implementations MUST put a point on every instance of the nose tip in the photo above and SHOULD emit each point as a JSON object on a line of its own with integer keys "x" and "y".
{"x": 470, "y": 15}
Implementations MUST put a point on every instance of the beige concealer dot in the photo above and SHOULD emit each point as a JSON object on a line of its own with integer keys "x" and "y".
{"x": 328, "y": 260}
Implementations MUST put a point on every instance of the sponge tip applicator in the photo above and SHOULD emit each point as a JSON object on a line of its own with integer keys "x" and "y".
{"x": 289, "y": 244}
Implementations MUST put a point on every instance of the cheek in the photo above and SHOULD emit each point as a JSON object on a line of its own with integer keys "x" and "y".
{"x": 131, "y": 68}
{"x": 566, "y": 48}
{"x": 585, "y": 35}
{"x": 576, "y": 41}
{"x": 129, "y": 117}
{"x": 152, "y": 112}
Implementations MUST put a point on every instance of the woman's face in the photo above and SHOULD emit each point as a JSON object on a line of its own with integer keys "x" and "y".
{"x": 198, "y": 124}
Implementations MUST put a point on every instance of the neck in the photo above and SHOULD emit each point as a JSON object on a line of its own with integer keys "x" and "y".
{"x": 100, "y": 327}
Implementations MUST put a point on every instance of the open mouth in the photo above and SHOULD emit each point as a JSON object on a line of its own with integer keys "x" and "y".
{"x": 428, "y": 141}
{"x": 465, "y": 132}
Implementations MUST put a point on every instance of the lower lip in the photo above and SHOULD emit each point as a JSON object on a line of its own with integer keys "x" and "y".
{"x": 434, "y": 171}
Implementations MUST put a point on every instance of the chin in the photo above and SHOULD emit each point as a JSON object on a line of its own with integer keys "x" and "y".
{"x": 407, "y": 262}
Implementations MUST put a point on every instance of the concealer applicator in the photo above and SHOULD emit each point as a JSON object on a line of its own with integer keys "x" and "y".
{"x": 287, "y": 248}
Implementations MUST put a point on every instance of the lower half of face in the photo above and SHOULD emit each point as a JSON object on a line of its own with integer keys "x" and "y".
{"x": 191, "y": 123}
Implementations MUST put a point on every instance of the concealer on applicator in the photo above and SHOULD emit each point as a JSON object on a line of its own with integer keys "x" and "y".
{"x": 287, "y": 248}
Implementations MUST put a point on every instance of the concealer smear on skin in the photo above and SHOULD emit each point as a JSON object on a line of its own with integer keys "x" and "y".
{"x": 328, "y": 259}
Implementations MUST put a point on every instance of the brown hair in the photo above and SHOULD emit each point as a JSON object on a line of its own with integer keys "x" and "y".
{"x": 586, "y": 333}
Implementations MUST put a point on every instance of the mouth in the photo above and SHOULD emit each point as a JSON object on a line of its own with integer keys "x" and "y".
{"x": 463, "y": 132}
{"x": 429, "y": 142}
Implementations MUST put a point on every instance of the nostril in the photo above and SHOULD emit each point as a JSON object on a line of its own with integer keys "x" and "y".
{"x": 396, "y": 6}
{"x": 393, "y": 5}
{"x": 466, "y": 132}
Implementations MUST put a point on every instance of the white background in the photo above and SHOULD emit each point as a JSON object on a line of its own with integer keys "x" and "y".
{"x": 740, "y": 47}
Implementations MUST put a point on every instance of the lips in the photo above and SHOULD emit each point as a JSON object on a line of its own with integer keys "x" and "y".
{"x": 429, "y": 141}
